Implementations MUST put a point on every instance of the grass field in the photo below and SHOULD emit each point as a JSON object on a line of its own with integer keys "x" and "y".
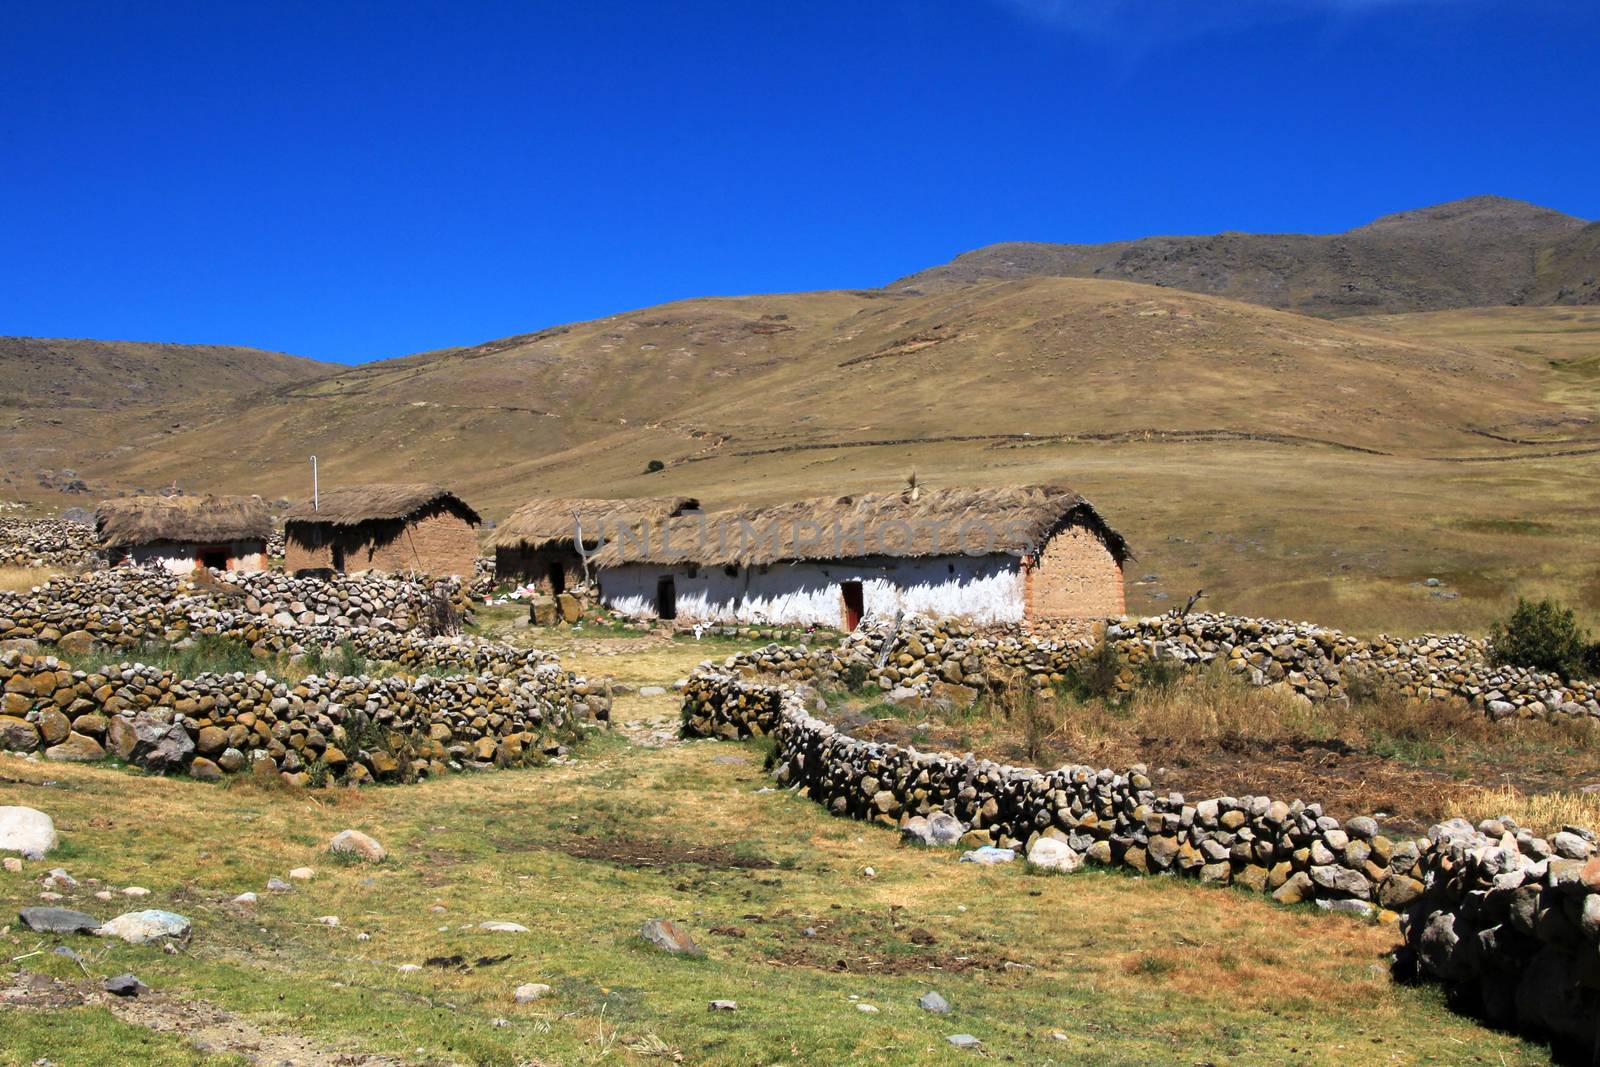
{"x": 1042, "y": 969}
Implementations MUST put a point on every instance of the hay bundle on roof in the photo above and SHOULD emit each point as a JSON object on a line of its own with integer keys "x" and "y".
{"x": 927, "y": 522}
{"x": 549, "y": 521}
{"x": 352, "y": 505}
{"x": 144, "y": 520}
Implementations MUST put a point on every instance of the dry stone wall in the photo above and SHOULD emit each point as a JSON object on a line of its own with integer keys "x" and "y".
{"x": 928, "y": 658}
{"x": 126, "y": 605}
{"x": 46, "y": 543}
{"x": 465, "y": 702}
{"x": 1508, "y": 920}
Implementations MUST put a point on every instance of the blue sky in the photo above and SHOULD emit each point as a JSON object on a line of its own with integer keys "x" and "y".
{"x": 353, "y": 181}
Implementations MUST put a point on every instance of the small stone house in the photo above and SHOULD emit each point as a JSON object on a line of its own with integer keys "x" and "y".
{"x": 987, "y": 555}
{"x": 538, "y": 544}
{"x": 181, "y": 533}
{"x": 394, "y": 528}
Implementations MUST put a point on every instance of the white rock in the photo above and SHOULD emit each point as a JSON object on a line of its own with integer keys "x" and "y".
{"x": 356, "y": 843}
{"x": 302, "y": 874}
{"x": 498, "y": 927}
{"x": 246, "y": 899}
{"x": 327, "y": 920}
{"x": 529, "y": 992}
{"x": 866, "y": 1009}
{"x": 136, "y": 891}
{"x": 409, "y": 968}
{"x": 138, "y": 927}
{"x": 27, "y": 831}
{"x": 1048, "y": 854}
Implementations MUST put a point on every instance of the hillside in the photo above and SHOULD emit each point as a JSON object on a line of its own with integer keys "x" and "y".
{"x": 1479, "y": 252}
{"x": 1290, "y": 465}
{"x": 70, "y": 403}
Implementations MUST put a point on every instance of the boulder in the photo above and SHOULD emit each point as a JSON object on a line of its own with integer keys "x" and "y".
{"x": 355, "y": 843}
{"x": 76, "y": 748}
{"x": 27, "y": 831}
{"x": 668, "y": 936}
{"x": 58, "y": 921}
{"x": 17, "y": 734}
{"x": 139, "y": 927}
{"x": 1048, "y": 854}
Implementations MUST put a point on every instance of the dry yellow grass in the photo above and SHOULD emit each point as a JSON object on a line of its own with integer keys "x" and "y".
{"x": 22, "y": 579}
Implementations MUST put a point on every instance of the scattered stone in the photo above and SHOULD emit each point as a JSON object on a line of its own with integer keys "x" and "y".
{"x": 652, "y": 691}
{"x": 28, "y": 831}
{"x": 139, "y": 927}
{"x": 60, "y": 879}
{"x": 277, "y": 885}
{"x": 723, "y": 1005}
{"x": 12, "y": 864}
{"x": 866, "y": 1009}
{"x": 356, "y": 843}
{"x": 124, "y": 985}
{"x": 247, "y": 900}
{"x": 935, "y": 1003}
{"x": 529, "y": 992}
{"x": 498, "y": 926}
{"x": 669, "y": 937}
{"x": 302, "y": 874}
{"x": 327, "y": 920}
{"x": 963, "y": 1041}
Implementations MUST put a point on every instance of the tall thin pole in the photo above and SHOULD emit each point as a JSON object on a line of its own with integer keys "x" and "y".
{"x": 316, "y": 497}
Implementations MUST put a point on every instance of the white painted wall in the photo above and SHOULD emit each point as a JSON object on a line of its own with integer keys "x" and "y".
{"x": 245, "y": 556}
{"x": 984, "y": 589}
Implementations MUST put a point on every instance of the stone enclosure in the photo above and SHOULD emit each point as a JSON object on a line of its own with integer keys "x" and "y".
{"x": 1507, "y": 920}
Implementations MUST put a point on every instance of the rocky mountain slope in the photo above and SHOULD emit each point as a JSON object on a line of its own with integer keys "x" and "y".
{"x": 1479, "y": 252}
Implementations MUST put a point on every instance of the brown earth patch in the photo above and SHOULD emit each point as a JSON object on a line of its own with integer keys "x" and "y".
{"x": 643, "y": 855}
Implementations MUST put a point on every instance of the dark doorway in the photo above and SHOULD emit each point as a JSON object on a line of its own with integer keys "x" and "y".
{"x": 216, "y": 558}
{"x": 667, "y": 598}
{"x": 854, "y": 604}
{"x": 338, "y": 559}
{"x": 558, "y": 579}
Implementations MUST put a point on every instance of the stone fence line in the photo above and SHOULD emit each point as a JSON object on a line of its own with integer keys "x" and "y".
{"x": 953, "y": 662}
{"x": 1510, "y": 921}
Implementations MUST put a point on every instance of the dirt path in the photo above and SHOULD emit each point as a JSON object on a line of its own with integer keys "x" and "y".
{"x": 203, "y": 1025}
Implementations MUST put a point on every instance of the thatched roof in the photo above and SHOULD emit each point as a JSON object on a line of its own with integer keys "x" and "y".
{"x": 928, "y": 522}
{"x": 547, "y": 521}
{"x": 143, "y": 520}
{"x": 352, "y": 505}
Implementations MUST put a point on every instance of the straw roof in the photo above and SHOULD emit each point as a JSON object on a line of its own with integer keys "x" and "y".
{"x": 547, "y": 521}
{"x": 143, "y": 520}
{"x": 915, "y": 523}
{"x": 352, "y": 505}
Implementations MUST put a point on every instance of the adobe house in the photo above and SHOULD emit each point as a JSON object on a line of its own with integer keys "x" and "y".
{"x": 180, "y": 533}
{"x": 987, "y": 555}
{"x": 393, "y": 528}
{"x": 538, "y": 543}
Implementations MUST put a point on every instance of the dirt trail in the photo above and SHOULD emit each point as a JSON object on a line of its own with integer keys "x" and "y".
{"x": 203, "y": 1025}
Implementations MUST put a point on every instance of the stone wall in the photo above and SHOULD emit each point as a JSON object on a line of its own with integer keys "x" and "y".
{"x": 47, "y": 543}
{"x": 928, "y": 658}
{"x": 127, "y": 605}
{"x": 1509, "y": 921}
{"x": 314, "y": 731}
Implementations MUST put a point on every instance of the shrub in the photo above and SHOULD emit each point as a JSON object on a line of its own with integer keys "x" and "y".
{"x": 1540, "y": 634}
{"x": 855, "y": 676}
{"x": 1095, "y": 673}
{"x": 653, "y": 466}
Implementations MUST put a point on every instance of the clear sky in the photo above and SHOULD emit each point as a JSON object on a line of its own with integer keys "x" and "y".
{"x": 353, "y": 181}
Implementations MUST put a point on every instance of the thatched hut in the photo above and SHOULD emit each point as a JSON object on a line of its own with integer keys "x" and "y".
{"x": 988, "y": 555}
{"x": 394, "y": 528}
{"x": 181, "y": 533}
{"x": 539, "y": 542}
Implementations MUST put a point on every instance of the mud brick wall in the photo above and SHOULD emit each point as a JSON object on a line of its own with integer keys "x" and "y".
{"x": 1075, "y": 577}
{"x": 438, "y": 542}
